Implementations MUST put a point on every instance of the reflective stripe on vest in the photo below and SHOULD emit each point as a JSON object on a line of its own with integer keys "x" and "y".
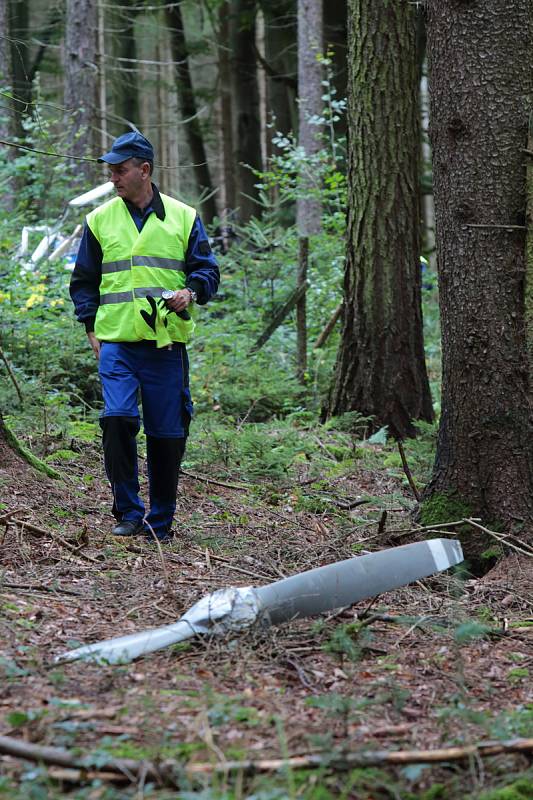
{"x": 136, "y": 266}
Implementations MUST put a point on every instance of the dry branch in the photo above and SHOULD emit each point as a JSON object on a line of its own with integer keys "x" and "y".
{"x": 279, "y": 317}
{"x": 204, "y": 479}
{"x": 168, "y": 772}
{"x": 326, "y": 332}
{"x": 74, "y": 549}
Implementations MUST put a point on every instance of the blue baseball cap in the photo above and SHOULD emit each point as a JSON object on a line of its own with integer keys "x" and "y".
{"x": 129, "y": 145}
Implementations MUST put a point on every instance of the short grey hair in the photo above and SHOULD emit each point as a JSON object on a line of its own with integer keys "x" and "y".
{"x": 139, "y": 161}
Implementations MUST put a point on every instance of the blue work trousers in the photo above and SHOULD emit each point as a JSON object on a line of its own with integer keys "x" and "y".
{"x": 161, "y": 376}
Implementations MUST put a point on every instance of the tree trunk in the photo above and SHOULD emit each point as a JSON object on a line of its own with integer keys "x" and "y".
{"x": 380, "y": 367}
{"x": 126, "y": 83}
{"x": 310, "y": 105}
{"x": 479, "y": 109}
{"x": 335, "y": 37}
{"x": 6, "y": 72}
{"x": 6, "y": 111}
{"x": 101, "y": 84}
{"x": 20, "y": 63}
{"x": 81, "y": 79}
{"x": 281, "y": 58}
{"x": 226, "y": 115}
{"x": 189, "y": 111}
{"x": 301, "y": 309}
{"x": 246, "y": 106}
{"x": 528, "y": 299}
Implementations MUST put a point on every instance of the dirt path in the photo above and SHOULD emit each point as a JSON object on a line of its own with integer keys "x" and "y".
{"x": 308, "y": 687}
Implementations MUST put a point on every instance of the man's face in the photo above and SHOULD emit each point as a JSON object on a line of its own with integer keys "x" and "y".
{"x": 129, "y": 179}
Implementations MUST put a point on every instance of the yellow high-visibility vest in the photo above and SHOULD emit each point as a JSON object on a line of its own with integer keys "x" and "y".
{"x": 137, "y": 266}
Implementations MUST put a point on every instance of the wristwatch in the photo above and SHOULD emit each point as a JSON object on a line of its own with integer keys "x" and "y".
{"x": 168, "y": 294}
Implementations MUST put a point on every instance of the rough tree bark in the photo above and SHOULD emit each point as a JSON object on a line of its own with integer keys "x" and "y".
{"x": 480, "y": 102}
{"x": 81, "y": 79}
{"x": 189, "y": 111}
{"x": 310, "y": 105}
{"x": 245, "y": 106}
{"x": 380, "y": 367}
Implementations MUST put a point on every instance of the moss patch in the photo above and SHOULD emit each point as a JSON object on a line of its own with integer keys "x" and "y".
{"x": 479, "y": 549}
{"x": 521, "y": 789}
{"x": 444, "y": 507}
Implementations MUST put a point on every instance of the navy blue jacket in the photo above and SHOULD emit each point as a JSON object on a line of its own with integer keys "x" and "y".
{"x": 201, "y": 266}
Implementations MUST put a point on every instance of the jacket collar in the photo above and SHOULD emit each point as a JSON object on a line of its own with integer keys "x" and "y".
{"x": 156, "y": 204}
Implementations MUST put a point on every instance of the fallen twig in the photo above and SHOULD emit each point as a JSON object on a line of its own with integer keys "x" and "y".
{"x": 235, "y": 568}
{"x": 31, "y": 588}
{"x": 349, "y": 504}
{"x": 203, "y": 479}
{"x": 29, "y": 526}
{"x": 525, "y": 549}
{"x": 6, "y": 518}
{"x": 170, "y": 772}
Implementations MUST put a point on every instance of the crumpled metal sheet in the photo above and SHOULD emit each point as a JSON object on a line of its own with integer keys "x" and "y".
{"x": 217, "y": 613}
{"x": 299, "y": 596}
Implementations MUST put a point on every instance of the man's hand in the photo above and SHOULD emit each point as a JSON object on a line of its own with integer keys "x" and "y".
{"x": 180, "y": 301}
{"x": 95, "y": 344}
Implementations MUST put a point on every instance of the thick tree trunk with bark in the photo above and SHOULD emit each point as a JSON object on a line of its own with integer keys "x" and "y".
{"x": 189, "y": 111}
{"x": 245, "y": 106}
{"x": 480, "y": 70}
{"x": 380, "y": 367}
{"x": 81, "y": 27}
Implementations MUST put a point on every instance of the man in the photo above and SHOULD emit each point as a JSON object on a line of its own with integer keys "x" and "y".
{"x": 144, "y": 259}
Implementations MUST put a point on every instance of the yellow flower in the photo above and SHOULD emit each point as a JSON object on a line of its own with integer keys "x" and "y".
{"x": 34, "y": 299}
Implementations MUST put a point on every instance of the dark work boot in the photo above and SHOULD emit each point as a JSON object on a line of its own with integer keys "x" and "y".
{"x": 163, "y": 459}
{"x": 128, "y": 527}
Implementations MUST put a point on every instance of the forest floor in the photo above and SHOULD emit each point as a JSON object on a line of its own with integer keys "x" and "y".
{"x": 447, "y": 661}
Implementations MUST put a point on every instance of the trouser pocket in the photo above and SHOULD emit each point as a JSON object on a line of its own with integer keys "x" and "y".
{"x": 187, "y": 410}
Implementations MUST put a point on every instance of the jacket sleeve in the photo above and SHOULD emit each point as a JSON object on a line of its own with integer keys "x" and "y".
{"x": 201, "y": 266}
{"x": 85, "y": 280}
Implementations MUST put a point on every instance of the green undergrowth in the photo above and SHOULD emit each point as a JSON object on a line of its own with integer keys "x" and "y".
{"x": 413, "y": 782}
